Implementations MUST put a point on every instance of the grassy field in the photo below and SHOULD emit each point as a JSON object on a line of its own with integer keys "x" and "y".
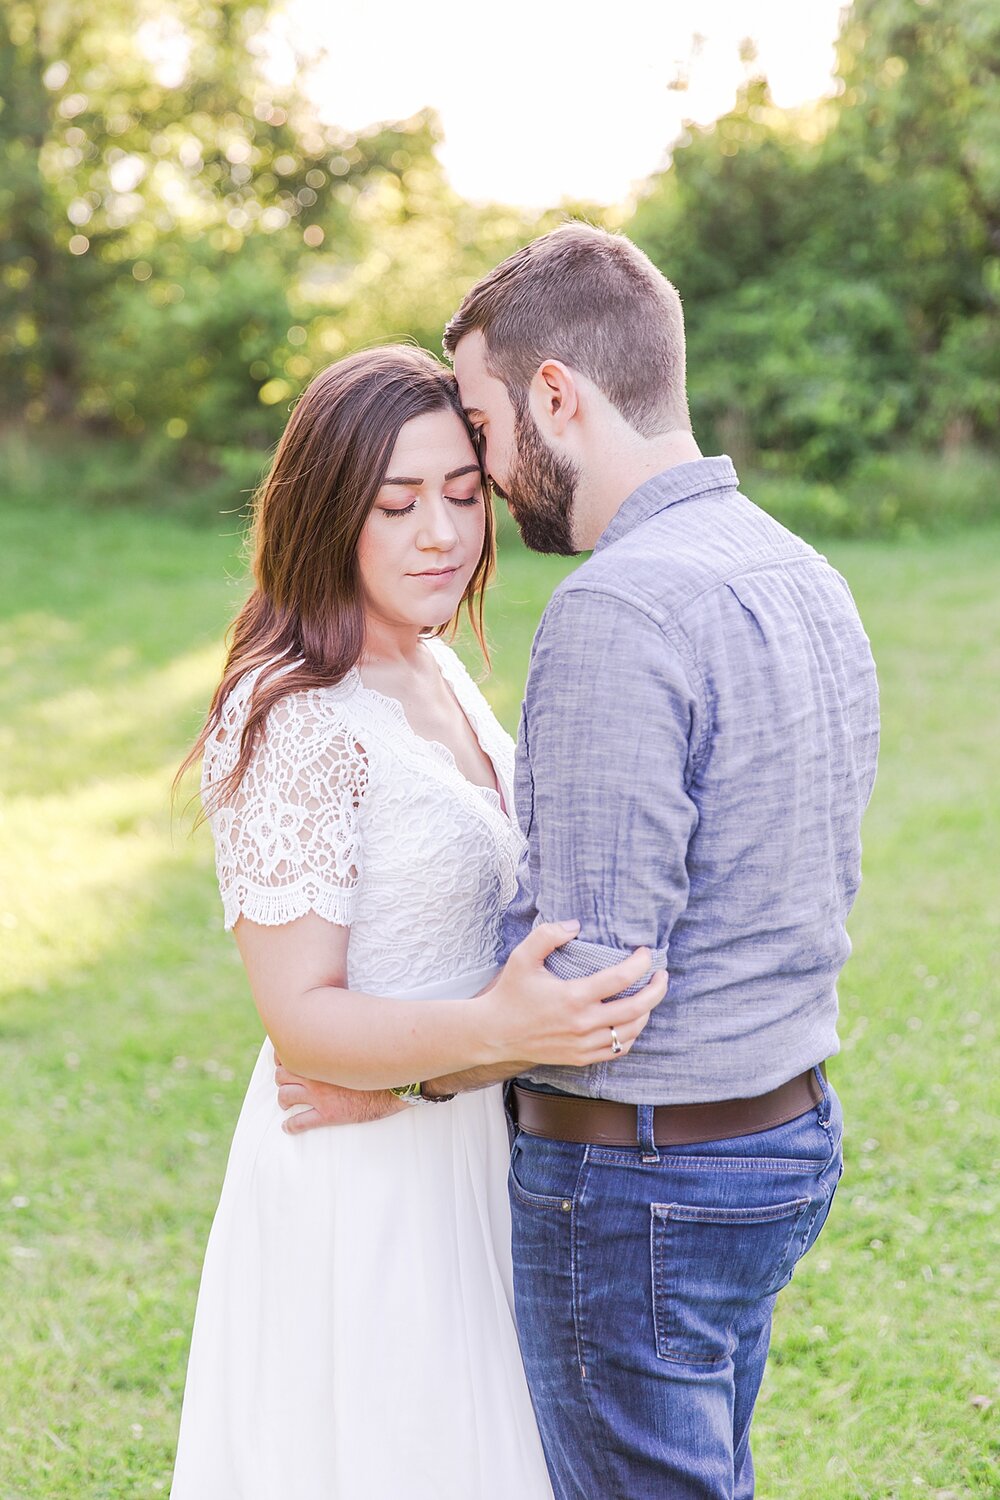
{"x": 127, "y": 1032}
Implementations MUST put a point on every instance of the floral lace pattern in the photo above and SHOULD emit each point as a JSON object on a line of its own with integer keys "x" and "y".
{"x": 348, "y": 813}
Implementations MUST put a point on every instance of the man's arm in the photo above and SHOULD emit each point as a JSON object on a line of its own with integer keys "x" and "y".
{"x": 471, "y": 1079}
{"x": 316, "y": 1103}
{"x": 610, "y": 741}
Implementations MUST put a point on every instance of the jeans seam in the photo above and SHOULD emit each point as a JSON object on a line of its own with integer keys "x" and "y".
{"x": 792, "y": 1165}
{"x": 574, "y": 1272}
{"x": 555, "y": 1202}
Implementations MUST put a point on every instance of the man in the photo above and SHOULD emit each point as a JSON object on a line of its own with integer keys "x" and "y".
{"x": 696, "y": 750}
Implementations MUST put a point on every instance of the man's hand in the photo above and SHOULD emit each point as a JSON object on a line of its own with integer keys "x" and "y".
{"x": 328, "y": 1103}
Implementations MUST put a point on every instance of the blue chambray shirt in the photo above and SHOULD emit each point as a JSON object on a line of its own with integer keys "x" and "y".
{"x": 697, "y": 746}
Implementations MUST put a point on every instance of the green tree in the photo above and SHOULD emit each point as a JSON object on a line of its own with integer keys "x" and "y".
{"x": 143, "y": 150}
{"x": 733, "y": 204}
{"x": 917, "y": 148}
{"x": 839, "y": 264}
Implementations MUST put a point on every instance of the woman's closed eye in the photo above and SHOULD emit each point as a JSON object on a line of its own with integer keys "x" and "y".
{"x": 405, "y": 510}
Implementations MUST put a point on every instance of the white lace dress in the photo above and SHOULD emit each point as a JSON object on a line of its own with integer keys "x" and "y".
{"x": 354, "y": 1336}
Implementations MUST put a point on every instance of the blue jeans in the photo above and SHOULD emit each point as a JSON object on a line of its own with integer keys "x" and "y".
{"x": 645, "y": 1280}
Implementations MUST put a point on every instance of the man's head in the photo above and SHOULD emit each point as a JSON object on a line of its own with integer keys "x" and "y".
{"x": 578, "y": 322}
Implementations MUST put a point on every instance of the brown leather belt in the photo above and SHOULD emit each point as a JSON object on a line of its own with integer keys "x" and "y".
{"x": 601, "y": 1122}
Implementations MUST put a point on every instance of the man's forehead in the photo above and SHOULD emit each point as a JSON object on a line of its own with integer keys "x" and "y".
{"x": 474, "y": 380}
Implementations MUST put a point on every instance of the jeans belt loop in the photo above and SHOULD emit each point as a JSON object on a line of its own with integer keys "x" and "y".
{"x": 645, "y": 1128}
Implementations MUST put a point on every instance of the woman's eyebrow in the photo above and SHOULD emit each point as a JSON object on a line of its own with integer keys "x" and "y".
{"x": 454, "y": 474}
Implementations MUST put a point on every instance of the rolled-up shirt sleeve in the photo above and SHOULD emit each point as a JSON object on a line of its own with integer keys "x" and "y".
{"x": 607, "y": 748}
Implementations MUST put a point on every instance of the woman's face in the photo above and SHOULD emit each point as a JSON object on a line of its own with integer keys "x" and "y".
{"x": 424, "y": 537}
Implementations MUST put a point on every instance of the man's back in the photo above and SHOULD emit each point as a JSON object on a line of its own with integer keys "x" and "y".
{"x": 697, "y": 749}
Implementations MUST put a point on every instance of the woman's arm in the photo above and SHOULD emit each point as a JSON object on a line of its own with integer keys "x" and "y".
{"x": 323, "y": 1030}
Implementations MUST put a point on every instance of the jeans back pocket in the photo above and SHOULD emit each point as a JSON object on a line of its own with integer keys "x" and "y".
{"x": 708, "y": 1263}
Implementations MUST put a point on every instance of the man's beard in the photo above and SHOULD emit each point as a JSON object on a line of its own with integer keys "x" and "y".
{"x": 540, "y": 491}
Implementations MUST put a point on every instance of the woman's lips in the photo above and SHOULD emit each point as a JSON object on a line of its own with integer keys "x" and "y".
{"x": 437, "y": 575}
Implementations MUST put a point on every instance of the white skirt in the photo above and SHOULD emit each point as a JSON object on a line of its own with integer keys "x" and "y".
{"x": 354, "y": 1336}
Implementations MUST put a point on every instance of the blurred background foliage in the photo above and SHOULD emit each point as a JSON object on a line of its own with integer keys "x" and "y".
{"x": 182, "y": 245}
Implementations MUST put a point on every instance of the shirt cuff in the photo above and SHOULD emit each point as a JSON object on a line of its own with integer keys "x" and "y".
{"x": 580, "y": 959}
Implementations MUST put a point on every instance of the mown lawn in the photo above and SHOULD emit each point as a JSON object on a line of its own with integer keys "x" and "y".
{"x": 127, "y": 1032}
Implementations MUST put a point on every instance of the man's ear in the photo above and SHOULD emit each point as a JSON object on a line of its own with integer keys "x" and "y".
{"x": 553, "y": 397}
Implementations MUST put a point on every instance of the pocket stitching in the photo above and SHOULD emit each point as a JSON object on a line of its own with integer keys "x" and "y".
{"x": 694, "y": 1213}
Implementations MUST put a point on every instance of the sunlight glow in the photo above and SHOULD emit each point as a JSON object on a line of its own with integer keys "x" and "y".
{"x": 536, "y": 108}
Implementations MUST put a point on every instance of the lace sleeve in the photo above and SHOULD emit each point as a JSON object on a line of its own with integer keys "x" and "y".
{"x": 286, "y": 842}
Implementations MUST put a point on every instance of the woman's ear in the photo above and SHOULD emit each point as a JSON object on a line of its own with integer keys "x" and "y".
{"x": 553, "y": 398}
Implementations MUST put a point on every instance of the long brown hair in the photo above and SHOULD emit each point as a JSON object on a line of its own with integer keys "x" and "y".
{"x": 303, "y": 625}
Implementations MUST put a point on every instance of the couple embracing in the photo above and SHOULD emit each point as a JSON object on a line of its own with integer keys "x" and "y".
{"x": 396, "y": 1302}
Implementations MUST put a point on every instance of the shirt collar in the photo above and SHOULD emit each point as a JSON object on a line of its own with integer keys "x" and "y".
{"x": 703, "y": 476}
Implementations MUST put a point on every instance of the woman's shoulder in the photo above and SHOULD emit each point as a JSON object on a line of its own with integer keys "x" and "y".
{"x": 306, "y": 717}
{"x": 325, "y": 701}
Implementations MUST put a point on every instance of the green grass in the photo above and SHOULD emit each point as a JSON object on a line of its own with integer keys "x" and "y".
{"x": 128, "y": 1034}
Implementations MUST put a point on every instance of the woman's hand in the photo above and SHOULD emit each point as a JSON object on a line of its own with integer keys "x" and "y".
{"x": 569, "y": 1022}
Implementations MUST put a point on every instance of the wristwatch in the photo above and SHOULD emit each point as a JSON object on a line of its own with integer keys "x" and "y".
{"x": 413, "y": 1093}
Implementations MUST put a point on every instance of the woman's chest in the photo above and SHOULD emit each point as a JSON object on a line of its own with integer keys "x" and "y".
{"x": 421, "y": 819}
{"x": 432, "y": 714}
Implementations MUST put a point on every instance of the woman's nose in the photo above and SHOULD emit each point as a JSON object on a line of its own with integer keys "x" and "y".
{"x": 438, "y": 531}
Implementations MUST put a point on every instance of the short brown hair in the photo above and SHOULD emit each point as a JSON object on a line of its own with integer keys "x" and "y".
{"x": 594, "y": 301}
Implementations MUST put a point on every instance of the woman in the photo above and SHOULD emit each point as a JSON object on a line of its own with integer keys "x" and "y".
{"x": 354, "y": 1334}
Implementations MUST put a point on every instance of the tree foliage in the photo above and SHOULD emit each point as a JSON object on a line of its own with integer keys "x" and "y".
{"x": 841, "y": 264}
{"x": 183, "y": 242}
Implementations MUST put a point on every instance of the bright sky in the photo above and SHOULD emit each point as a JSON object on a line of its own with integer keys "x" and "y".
{"x": 541, "y": 100}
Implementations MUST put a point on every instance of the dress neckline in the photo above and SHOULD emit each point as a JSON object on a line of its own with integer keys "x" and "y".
{"x": 494, "y": 795}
